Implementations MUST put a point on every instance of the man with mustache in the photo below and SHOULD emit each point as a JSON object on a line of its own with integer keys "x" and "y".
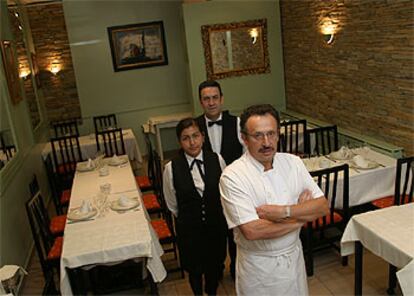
{"x": 222, "y": 136}
{"x": 267, "y": 197}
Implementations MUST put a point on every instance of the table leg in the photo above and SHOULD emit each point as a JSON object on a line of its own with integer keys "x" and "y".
{"x": 392, "y": 279}
{"x": 358, "y": 267}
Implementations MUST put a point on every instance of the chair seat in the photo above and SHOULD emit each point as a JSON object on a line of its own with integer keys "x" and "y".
{"x": 315, "y": 224}
{"x": 387, "y": 201}
{"x": 68, "y": 167}
{"x": 151, "y": 202}
{"x": 161, "y": 228}
{"x": 57, "y": 225}
{"x": 56, "y": 250}
{"x": 143, "y": 182}
{"x": 65, "y": 197}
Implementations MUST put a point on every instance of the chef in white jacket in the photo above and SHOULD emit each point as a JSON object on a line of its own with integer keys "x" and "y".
{"x": 267, "y": 197}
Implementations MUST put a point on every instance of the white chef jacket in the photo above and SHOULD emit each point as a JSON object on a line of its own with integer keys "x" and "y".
{"x": 269, "y": 266}
{"x": 215, "y": 134}
{"x": 168, "y": 183}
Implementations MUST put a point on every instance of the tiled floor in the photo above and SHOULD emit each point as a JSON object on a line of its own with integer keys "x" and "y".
{"x": 330, "y": 278}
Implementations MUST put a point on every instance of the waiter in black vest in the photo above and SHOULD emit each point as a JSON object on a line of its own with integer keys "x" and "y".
{"x": 222, "y": 136}
{"x": 192, "y": 194}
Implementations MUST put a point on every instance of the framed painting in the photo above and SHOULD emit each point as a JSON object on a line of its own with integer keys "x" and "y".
{"x": 10, "y": 70}
{"x": 138, "y": 46}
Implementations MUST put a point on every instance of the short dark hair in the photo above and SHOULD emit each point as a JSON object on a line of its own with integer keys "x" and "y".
{"x": 208, "y": 83}
{"x": 185, "y": 123}
{"x": 260, "y": 109}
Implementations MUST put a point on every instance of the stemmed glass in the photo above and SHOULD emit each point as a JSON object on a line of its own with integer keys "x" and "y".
{"x": 100, "y": 203}
{"x": 99, "y": 156}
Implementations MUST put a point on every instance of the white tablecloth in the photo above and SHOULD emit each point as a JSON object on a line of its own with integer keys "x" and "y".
{"x": 88, "y": 146}
{"x": 364, "y": 185}
{"x": 114, "y": 237}
{"x": 388, "y": 233}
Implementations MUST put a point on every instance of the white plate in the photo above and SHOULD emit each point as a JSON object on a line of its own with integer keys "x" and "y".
{"x": 371, "y": 165}
{"x": 121, "y": 160}
{"x": 339, "y": 156}
{"x": 83, "y": 167}
{"x": 117, "y": 207}
{"x": 77, "y": 215}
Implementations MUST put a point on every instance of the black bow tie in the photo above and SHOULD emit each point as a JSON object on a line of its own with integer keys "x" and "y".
{"x": 218, "y": 122}
{"x": 195, "y": 160}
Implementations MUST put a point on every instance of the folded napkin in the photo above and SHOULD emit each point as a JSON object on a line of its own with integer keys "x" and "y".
{"x": 85, "y": 207}
{"x": 344, "y": 152}
{"x": 360, "y": 161}
{"x": 115, "y": 158}
{"x": 125, "y": 201}
{"x": 90, "y": 163}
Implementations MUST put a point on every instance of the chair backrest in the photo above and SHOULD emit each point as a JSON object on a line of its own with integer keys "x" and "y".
{"x": 66, "y": 153}
{"x": 322, "y": 140}
{"x": 150, "y": 166}
{"x": 53, "y": 183}
{"x": 66, "y": 128}
{"x": 111, "y": 142}
{"x": 39, "y": 225}
{"x": 292, "y": 137}
{"x": 104, "y": 121}
{"x": 9, "y": 151}
{"x": 329, "y": 180}
{"x": 404, "y": 181}
{"x": 34, "y": 186}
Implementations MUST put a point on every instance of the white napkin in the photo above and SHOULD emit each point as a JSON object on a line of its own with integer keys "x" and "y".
{"x": 344, "y": 152}
{"x": 360, "y": 161}
{"x": 85, "y": 207}
{"x": 90, "y": 164}
{"x": 124, "y": 201}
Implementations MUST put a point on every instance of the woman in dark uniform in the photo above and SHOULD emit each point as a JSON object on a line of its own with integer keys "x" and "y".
{"x": 192, "y": 194}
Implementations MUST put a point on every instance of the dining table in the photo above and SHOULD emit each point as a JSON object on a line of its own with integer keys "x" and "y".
{"x": 366, "y": 184}
{"x": 99, "y": 230}
{"x": 88, "y": 146}
{"x": 387, "y": 233}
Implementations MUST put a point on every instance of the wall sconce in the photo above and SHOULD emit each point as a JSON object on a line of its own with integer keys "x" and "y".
{"x": 328, "y": 30}
{"x": 24, "y": 74}
{"x": 254, "y": 33}
{"x": 55, "y": 68}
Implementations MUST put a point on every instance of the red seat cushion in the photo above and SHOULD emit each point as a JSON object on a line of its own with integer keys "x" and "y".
{"x": 161, "y": 228}
{"x": 57, "y": 225}
{"x": 68, "y": 167}
{"x": 151, "y": 202}
{"x": 56, "y": 250}
{"x": 143, "y": 182}
{"x": 387, "y": 201}
{"x": 65, "y": 197}
{"x": 336, "y": 218}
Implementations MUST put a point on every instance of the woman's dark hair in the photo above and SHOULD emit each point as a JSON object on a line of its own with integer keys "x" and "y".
{"x": 208, "y": 83}
{"x": 185, "y": 123}
{"x": 260, "y": 109}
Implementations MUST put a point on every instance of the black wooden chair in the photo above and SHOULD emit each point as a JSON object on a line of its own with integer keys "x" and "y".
{"x": 65, "y": 128}
{"x": 145, "y": 182}
{"x": 321, "y": 140}
{"x": 48, "y": 247}
{"x": 66, "y": 153}
{"x": 327, "y": 231}
{"x": 111, "y": 142}
{"x": 104, "y": 122}
{"x": 292, "y": 137}
{"x": 57, "y": 223}
{"x": 153, "y": 200}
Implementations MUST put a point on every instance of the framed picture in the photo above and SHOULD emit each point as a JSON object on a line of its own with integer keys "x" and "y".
{"x": 138, "y": 46}
{"x": 10, "y": 70}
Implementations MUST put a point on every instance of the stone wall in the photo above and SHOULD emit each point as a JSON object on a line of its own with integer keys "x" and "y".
{"x": 52, "y": 47}
{"x": 364, "y": 80}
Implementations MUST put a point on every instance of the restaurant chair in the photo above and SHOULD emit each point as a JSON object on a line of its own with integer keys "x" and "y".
{"x": 292, "y": 137}
{"x": 104, "y": 122}
{"x": 326, "y": 231}
{"x": 152, "y": 200}
{"x": 49, "y": 248}
{"x": 66, "y": 153}
{"x": 65, "y": 128}
{"x": 111, "y": 142}
{"x": 9, "y": 151}
{"x": 321, "y": 140}
{"x": 145, "y": 182}
{"x": 60, "y": 197}
{"x": 403, "y": 188}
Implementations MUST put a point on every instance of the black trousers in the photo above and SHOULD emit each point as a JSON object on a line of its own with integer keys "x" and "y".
{"x": 232, "y": 252}
{"x": 211, "y": 282}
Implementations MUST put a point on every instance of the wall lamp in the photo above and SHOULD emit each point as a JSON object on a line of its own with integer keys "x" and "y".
{"x": 24, "y": 74}
{"x": 254, "y": 33}
{"x": 328, "y": 29}
{"x": 55, "y": 69}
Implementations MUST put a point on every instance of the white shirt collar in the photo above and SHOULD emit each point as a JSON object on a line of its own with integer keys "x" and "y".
{"x": 209, "y": 120}
{"x": 257, "y": 164}
{"x": 190, "y": 158}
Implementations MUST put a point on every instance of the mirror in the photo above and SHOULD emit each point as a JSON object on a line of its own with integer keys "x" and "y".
{"x": 235, "y": 49}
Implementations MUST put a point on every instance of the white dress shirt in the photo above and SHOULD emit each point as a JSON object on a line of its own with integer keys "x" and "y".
{"x": 168, "y": 187}
{"x": 215, "y": 133}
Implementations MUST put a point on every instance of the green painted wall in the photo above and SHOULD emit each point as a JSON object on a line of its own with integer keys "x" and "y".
{"x": 16, "y": 238}
{"x": 239, "y": 92}
{"x": 134, "y": 95}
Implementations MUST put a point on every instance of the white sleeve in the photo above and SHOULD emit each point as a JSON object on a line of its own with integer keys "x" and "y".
{"x": 169, "y": 190}
{"x": 308, "y": 181}
{"x": 239, "y": 135}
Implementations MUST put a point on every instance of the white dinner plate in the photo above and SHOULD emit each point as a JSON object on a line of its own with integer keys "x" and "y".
{"x": 77, "y": 215}
{"x": 83, "y": 167}
{"x": 371, "y": 165}
{"x": 131, "y": 205}
{"x": 121, "y": 160}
